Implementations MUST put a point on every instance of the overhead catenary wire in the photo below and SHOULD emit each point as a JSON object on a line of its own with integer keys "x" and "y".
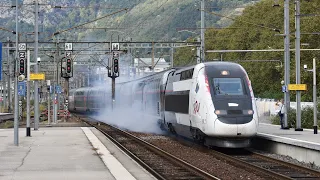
{"x": 8, "y": 30}
{"x": 97, "y": 61}
{"x": 144, "y": 20}
{"x": 246, "y": 22}
{"x": 74, "y": 27}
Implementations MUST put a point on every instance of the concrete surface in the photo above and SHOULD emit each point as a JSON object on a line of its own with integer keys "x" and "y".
{"x": 301, "y": 145}
{"x": 115, "y": 167}
{"x": 133, "y": 167}
{"x": 304, "y": 138}
{"x": 51, "y": 153}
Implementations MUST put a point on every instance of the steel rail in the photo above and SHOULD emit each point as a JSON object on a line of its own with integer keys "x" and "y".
{"x": 154, "y": 149}
{"x": 244, "y": 164}
{"x": 288, "y": 164}
{"x": 234, "y": 161}
{"x": 133, "y": 156}
{"x": 254, "y": 157}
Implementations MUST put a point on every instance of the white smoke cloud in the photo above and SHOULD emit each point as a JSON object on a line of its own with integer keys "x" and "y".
{"x": 123, "y": 115}
{"x": 133, "y": 119}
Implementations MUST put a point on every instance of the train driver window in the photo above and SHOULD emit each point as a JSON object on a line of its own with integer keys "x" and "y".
{"x": 228, "y": 86}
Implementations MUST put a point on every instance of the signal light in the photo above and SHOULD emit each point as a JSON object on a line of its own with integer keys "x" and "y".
{"x": 115, "y": 65}
{"x": 21, "y": 66}
{"x": 68, "y": 65}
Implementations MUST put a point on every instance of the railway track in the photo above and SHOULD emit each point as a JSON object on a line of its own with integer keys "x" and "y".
{"x": 165, "y": 166}
{"x": 159, "y": 163}
{"x": 286, "y": 169}
{"x": 266, "y": 167}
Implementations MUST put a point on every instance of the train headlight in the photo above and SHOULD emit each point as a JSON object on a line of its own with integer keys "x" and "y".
{"x": 248, "y": 112}
{"x": 220, "y": 112}
{"x": 225, "y": 73}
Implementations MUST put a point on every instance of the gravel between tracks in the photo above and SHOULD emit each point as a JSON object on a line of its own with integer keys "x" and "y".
{"x": 194, "y": 156}
{"x": 288, "y": 159}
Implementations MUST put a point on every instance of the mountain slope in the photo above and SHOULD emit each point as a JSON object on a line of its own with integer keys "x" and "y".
{"x": 147, "y": 20}
{"x": 254, "y": 30}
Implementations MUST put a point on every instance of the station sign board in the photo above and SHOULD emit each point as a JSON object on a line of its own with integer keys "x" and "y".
{"x": 68, "y": 47}
{"x": 21, "y": 88}
{"x": 38, "y": 76}
{"x": 115, "y": 46}
{"x": 297, "y": 87}
{"x": 58, "y": 89}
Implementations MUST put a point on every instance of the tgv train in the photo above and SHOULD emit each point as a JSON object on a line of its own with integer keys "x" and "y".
{"x": 210, "y": 102}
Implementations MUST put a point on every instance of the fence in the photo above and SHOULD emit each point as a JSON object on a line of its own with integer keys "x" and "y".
{"x": 60, "y": 113}
{"x": 268, "y": 107}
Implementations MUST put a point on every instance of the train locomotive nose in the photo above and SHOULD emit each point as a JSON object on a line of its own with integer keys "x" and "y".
{"x": 234, "y": 115}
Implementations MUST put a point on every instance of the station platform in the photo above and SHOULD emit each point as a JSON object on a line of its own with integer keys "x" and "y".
{"x": 301, "y": 145}
{"x": 65, "y": 153}
{"x": 304, "y": 138}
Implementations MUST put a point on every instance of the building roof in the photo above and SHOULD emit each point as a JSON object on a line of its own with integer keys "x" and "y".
{"x": 148, "y": 62}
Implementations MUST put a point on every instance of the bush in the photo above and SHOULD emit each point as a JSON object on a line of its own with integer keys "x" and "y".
{"x": 7, "y": 124}
{"x": 306, "y": 118}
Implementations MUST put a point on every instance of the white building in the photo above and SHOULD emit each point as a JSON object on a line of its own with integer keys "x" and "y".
{"x": 145, "y": 64}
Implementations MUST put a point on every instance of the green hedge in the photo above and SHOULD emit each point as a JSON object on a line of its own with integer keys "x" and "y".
{"x": 306, "y": 118}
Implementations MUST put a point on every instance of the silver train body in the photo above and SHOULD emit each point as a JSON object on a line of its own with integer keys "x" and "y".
{"x": 210, "y": 102}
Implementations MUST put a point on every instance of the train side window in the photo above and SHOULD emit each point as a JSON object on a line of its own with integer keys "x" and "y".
{"x": 184, "y": 75}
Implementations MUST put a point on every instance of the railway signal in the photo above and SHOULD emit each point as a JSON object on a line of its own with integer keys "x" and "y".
{"x": 22, "y": 58}
{"x": 113, "y": 70}
{"x": 21, "y": 67}
{"x": 115, "y": 65}
{"x": 68, "y": 65}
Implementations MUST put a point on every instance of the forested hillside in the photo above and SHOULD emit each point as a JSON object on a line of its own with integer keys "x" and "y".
{"x": 254, "y": 30}
{"x": 144, "y": 20}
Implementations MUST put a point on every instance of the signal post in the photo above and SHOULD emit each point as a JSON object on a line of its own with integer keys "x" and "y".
{"x": 113, "y": 68}
{"x": 21, "y": 84}
{"x": 67, "y": 73}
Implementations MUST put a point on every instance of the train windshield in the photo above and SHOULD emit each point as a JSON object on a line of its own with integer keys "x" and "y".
{"x": 228, "y": 86}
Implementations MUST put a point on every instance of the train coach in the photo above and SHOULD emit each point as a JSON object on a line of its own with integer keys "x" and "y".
{"x": 212, "y": 103}
{"x": 88, "y": 99}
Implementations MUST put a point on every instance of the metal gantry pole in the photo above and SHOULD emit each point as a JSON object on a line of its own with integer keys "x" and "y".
{"x": 202, "y": 31}
{"x": 5, "y": 87}
{"x": 16, "y": 109}
{"x": 298, "y": 78}
{"x": 315, "y": 104}
{"x": 83, "y": 80}
{"x": 89, "y": 75}
{"x": 152, "y": 57}
{"x": 49, "y": 113}
{"x": 198, "y": 52}
{"x": 9, "y": 78}
{"x": 28, "y": 94}
{"x": 66, "y": 98}
{"x": 55, "y": 83}
{"x": 36, "y": 83}
{"x": 56, "y": 97}
{"x": 113, "y": 91}
{"x": 2, "y": 89}
{"x": 171, "y": 57}
{"x": 286, "y": 61}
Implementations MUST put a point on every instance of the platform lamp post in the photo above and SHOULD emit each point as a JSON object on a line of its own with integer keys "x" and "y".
{"x": 313, "y": 70}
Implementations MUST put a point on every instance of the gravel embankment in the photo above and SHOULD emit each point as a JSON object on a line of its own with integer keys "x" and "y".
{"x": 289, "y": 159}
{"x": 196, "y": 157}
